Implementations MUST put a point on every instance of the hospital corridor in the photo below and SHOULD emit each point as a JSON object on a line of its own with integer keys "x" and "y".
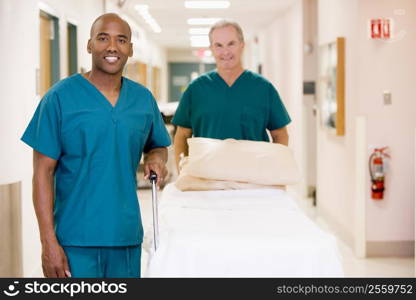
{"x": 286, "y": 128}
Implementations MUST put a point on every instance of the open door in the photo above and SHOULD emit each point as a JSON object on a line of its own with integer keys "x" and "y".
{"x": 45, "y": 55}
{"x": 49, "y": 67}
{"x": 156, "y": 83}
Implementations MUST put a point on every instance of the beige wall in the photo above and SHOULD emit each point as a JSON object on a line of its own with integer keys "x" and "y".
{"x": 10, "y": 231}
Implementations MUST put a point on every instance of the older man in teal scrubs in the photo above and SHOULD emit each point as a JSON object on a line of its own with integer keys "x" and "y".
{"x": 230, "y": 102}
{"x": 88, "y": 134}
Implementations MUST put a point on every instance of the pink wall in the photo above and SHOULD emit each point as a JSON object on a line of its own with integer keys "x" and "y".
{"x": 372, "y": 67}
{"x": 390, "y": 66}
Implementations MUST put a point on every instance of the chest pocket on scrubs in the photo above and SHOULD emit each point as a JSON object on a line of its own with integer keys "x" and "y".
{"x": 84, "y": 131}
{"x": 253, "y": 121}
{"x": 138, "y": 128}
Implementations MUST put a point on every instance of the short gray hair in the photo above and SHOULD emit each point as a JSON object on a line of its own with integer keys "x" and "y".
{"x": 226, "y": 23}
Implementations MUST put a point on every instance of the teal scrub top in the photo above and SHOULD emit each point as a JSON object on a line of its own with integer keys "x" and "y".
{"x": 98, "y": 148}
{"x": 243, "y": 111}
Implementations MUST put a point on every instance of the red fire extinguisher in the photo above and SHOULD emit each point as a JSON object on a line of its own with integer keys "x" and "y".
{"x": 377, "y": 172}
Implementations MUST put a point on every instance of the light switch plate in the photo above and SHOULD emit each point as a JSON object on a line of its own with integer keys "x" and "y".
{"x": 387, "y": 97}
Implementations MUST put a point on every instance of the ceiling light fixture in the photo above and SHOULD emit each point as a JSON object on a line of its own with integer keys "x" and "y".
{"x": 199, "y": 45}
{"x": 202, "y": 21}
{"x": 199, "y": 30}
{"x": 207, "y": 4}
{"x": 143, "y": 10}
{"x": 199, "y": 41}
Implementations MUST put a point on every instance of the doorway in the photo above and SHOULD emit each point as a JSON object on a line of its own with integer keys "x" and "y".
{"x": 181, "y": 74}
{"x": 49, "y": 67}
{"x": 72, "y": 49}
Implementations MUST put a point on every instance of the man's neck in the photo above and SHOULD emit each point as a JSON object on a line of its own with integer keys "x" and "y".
{"x": 104, "y": 82}
{"x": 230, "y": 75}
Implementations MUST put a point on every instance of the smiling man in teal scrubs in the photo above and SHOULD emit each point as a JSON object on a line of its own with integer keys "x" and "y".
{"x": 88, "y": 134}
{"x": 230, "y": 102}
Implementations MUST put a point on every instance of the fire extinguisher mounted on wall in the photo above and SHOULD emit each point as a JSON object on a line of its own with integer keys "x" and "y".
{"x": 377, "y": 166}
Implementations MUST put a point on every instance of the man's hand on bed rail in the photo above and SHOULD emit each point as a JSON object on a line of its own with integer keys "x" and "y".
{"x": 155, "y": 160}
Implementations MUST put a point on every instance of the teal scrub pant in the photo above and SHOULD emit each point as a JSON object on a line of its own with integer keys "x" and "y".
{"x": 104, "y": 262}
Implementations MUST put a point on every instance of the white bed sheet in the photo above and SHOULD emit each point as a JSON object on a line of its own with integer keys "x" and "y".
{"x": 239, "y": 233}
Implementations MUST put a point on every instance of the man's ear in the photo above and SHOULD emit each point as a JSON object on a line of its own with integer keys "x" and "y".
{"x": 131, "y": 50}
{"x": 89, "y": 46}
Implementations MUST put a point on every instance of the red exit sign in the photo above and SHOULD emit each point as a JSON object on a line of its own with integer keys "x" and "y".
{"x": 380, "y": 28}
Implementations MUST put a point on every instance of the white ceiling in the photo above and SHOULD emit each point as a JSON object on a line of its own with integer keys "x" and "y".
{"x": 171, "y": 15}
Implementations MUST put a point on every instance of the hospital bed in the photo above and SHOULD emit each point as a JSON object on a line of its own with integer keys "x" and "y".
{"x": 238, "y": 233}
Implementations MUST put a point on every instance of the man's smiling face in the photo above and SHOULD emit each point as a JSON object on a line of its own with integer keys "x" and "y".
{"x": 226, "y": 48}
{"x": 110, "y": 44}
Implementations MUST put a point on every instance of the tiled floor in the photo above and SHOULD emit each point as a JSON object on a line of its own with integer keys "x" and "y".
{"x": 353, "y": 267}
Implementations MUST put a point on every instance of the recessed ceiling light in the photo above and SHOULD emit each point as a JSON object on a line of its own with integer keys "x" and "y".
{"x": 207, "y": 4}
{"x": 199, "y": 30}
{"x": 199, "y": 45}
{"x": 199, "y": 40}
{"x": 143, "y": 10}
{"x": 202, "y": 21}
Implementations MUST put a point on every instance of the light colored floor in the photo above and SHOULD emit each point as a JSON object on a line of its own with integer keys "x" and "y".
{"x": 356, "y": 267}
{"x": 353, "y": 267}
